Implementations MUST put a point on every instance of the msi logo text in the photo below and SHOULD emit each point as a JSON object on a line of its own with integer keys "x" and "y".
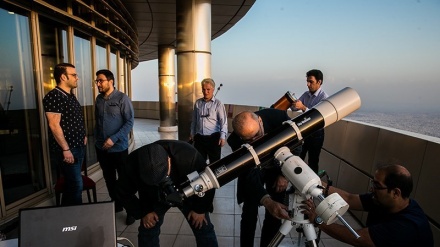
{"x": 69, "y": 229}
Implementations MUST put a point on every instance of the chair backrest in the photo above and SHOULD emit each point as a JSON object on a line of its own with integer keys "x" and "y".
{"x": 84, "y": 165}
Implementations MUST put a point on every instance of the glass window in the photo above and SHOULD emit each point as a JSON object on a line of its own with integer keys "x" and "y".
{"x": 83, "y": 64}
{"x": 114, "y": 68}
{"x": 101, "y": 57}
{"x": 122, "y": 78}
{"x": 21, "y": 156}
{"x": 53, "y": 51}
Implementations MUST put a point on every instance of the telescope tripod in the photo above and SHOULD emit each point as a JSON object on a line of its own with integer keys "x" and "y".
{"x": 307, "y": 184}
{"x": 304, "y": 226}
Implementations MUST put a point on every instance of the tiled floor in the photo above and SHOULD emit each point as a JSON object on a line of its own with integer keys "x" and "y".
{"x": 226, "y": 217}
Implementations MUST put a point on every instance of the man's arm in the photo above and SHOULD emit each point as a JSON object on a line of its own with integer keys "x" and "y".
{"x": 298, "y": 105}
{"x": 128, "y": 116}
{"x": 353, "y": 200}
{"x": 197, "y": 220}
{"x": 278, "y": 210}
{"x": 342, "y": 233}
{"x": 222, "y": 119}
{"x": 54, "y": 120}
{"x": 337, "y": 231}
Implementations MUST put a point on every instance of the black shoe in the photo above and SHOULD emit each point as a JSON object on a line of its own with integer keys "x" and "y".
{"x": 129, "y": 220}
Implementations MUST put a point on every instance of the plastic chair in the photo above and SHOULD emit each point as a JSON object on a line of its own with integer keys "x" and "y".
{"x": 88, "y": 184}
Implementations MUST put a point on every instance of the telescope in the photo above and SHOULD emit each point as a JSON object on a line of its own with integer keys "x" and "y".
{"x": 285, "y": 102}
{"x": 291, "y": 134}
{"x": 306, "y": 184}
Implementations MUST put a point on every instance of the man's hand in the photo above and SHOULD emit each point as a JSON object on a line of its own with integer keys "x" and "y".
{"x": 299, "y": 105}
{"x": 309, "y": 209}
{"x": 108, "y": 144}
{"x": 276, "y": 209}
{"x": 196, "y": 219}
{"x": 150, "y": 220}
{"x": 221, "y": 142}
{"x": 68, "y": 157}
{"x": 280, "y": 184}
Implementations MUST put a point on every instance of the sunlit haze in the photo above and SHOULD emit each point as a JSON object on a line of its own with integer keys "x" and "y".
{"x": 388, "y": 51}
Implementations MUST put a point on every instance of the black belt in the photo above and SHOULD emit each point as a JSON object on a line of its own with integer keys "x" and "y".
{"x": 216, "y": 134}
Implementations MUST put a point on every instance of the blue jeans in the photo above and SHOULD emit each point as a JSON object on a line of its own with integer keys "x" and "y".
{"x": 73, "y": 186}
{"x": 205, "y": 236}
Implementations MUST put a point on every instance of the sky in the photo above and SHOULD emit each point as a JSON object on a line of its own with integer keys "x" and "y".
{"x": 387, "y": 50}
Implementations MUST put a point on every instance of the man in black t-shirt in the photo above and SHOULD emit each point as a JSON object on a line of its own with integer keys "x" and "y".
{"x": 393, "y": 219}
{"x": 66, "y": 131}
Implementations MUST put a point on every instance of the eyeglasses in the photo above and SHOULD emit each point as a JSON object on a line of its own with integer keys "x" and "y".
{"x": 259, "y": 134}
{"x": 376, "y": 186}
{"x": 74, "y": 75}
{"x": 207, "y": 114}
{"x": 100, "y": 81}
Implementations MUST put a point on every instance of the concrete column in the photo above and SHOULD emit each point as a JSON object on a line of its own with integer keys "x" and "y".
{"x": 167, "y": 89}
{"x": 193, "y": 49}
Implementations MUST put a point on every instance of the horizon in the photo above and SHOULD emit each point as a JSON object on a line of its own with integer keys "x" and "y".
{"x": 387, "y": 51}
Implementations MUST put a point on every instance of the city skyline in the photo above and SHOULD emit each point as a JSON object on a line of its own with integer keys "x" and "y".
{"x": 387, "y": 51}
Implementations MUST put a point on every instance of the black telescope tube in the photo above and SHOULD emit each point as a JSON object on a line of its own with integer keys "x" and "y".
{"x": 290, "y": 134}
{"x": 227, "y": 168}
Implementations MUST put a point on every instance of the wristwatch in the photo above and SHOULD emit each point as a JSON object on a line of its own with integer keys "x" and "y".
{"x": 318, "y": 221}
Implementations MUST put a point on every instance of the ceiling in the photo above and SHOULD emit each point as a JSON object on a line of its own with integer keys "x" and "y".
{"x": 156, "y": 21}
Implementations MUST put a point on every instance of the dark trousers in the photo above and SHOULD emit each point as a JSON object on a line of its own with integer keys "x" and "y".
{"x": 205, "y": 236}
{"x": 208, "y": 146}
{"x": 248, "y": 225}
{"x": 249, "y": 215}
{"x": 313, "y": 145}
{"x": 111, "y": 165}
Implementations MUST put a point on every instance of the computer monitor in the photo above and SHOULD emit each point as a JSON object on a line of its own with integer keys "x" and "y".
{"x": 69, "y": 226}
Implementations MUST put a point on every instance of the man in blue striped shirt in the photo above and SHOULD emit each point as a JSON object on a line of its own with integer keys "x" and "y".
{"x": 209, "y": 125}
{"x": 309, "y": 99}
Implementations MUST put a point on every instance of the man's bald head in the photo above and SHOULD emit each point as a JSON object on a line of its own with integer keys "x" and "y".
{"x": 247, "y": 125}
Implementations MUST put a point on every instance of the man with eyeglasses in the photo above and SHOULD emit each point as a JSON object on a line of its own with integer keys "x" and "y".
{"x": 67, "y": 133}
{"x": 394, "y": 219}
{"x": 114, "y": 118}
{"x": 209, "y": 125}
{"x": 257, "y": 187}
{"x": 313, "y": 143}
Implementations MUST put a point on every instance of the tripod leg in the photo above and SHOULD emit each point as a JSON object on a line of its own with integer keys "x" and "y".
{"x": 282, "y": 232}
{"x": 310, "y": 233}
